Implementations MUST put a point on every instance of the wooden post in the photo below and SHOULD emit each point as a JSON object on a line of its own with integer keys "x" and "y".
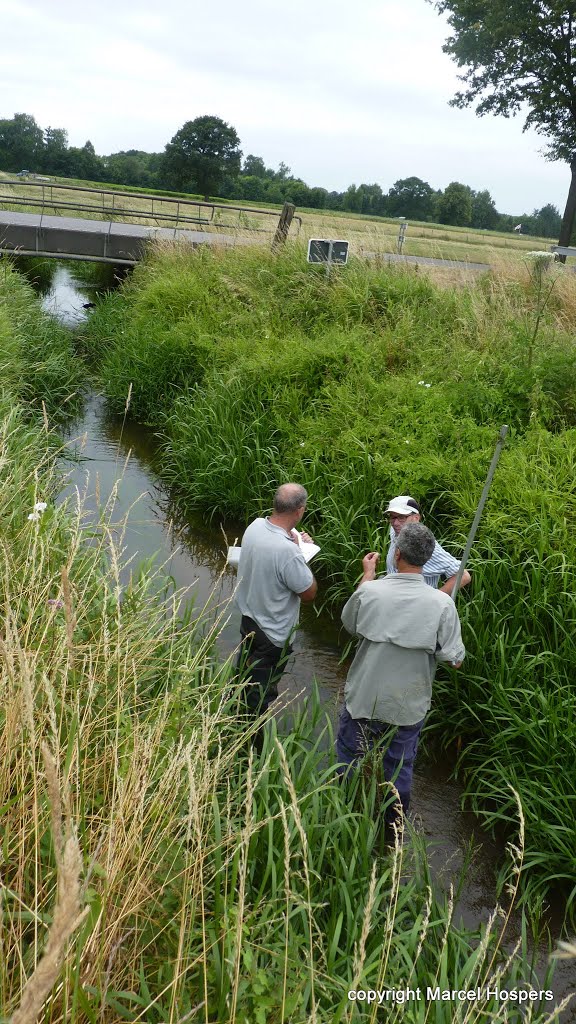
{"x": 283, "y": 224}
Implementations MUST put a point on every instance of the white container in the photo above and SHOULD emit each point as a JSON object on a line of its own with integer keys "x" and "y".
{"x": 233, "y": 556}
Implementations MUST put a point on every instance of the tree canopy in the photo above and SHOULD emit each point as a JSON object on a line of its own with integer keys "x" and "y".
{"x": 455, "y": 204}
{"x": 201, "y": 153}
{"x": 411, "y": 198}
{"x": 21, "y": 142}
{"x": 518, "y": 53}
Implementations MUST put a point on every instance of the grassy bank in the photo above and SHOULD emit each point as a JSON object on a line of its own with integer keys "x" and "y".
{"x": 378, "y": 382}
{"x": 151, "y": 870}
{"x": 37, "y": 360}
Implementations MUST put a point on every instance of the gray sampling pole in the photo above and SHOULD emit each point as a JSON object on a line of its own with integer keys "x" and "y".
{"x": 479, "y": 510}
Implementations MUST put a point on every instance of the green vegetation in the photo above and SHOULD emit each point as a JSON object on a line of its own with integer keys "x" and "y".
{"x": 511, "y": 65}
{"x": 200, "y": 154}
{"x": 160, "y": 871}
{"x": 376, "y": 382}
{"x": 36, "y": 354}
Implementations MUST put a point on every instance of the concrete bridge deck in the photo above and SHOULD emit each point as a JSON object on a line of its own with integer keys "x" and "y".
{"x": 36, "y": 234}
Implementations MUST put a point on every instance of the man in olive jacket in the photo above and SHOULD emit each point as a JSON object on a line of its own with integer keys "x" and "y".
{"x": 405, "y": 628}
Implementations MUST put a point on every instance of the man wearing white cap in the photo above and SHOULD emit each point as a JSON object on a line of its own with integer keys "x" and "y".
{"x": 403, "y": 510}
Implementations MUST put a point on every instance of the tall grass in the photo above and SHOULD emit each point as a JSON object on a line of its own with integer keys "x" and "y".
{"x": 378, "y": 381}
{"x": 36, "y": 353}
{"x": 153, "y": 868}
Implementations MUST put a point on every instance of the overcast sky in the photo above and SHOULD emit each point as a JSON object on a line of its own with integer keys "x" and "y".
{"x": 341, "y": 91}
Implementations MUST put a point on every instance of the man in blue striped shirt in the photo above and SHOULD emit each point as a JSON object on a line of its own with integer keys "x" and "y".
{"x": 402, "y": 510}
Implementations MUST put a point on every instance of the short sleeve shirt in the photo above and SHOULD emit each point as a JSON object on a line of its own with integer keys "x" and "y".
{"x": 272, "y": 573}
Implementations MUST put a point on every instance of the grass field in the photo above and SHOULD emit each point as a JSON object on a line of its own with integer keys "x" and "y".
{"x": 365, "y": 234}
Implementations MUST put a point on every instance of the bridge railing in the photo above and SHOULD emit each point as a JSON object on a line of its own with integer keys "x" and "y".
{"x": 110, "y": 205}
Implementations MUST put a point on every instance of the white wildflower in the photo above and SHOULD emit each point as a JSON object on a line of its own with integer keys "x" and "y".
{"x": 34, "y": 516}
{"x": 540, "y": 256}
{"x": 427, "y": 385}
{"x": 420, "y": 381}
{"x": 40, "y": 506}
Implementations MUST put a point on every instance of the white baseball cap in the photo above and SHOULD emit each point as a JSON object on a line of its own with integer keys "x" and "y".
{"x": 404, "y": 505}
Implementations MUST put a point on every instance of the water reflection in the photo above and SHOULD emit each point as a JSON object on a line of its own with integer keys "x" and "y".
{"x": 114, "y": 469}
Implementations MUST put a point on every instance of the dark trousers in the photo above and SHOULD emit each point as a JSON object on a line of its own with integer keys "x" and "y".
{"x": 264, "y": 664}
{"x": 357, "y": 736}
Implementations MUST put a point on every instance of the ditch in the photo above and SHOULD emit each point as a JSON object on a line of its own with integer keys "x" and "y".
{"x": 107, "y": 456}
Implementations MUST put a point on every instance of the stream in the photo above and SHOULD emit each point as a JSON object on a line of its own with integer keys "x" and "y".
{"x": 115, "y": 456}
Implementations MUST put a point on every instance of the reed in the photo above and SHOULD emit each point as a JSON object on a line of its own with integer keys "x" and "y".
{"x": 215, "y": 885}
{"x": 37, "y": 360}
{"x": 256, "y": 369}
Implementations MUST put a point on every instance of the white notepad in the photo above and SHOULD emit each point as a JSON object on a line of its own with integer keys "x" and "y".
{"x": 308, "y": 550}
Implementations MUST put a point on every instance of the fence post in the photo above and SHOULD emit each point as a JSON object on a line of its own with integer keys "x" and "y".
{"x": 283, "y": 224}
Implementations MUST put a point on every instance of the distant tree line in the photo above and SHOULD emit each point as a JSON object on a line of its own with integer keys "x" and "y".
{"x": 204, "y": 157}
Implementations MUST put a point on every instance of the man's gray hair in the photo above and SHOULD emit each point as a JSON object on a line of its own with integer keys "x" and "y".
{"x": 290, "y": 497}
{"x": 415, "y": 542}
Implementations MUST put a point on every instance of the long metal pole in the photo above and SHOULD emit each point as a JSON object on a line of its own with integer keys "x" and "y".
{"x": 479, "y": 510}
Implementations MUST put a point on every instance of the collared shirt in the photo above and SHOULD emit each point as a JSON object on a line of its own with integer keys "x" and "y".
{"x": 441, "y": 563}
{"x": 272, "y": 572}
{"x": 405, "y": 628}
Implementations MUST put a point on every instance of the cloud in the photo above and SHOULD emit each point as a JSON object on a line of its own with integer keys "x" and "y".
{"x": 339, "y": 93}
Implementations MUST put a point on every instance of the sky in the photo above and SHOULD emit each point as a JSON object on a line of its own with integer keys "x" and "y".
{"x": 343, "y": 91}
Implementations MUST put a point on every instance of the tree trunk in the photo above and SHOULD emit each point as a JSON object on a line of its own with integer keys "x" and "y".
{"x": 569, "y": 211}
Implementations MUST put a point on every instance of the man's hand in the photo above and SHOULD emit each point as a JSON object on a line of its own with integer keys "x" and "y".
{"x": 369, "y": 563}
{"x": 304, "y": 537}
{"x": 449, "y": 585}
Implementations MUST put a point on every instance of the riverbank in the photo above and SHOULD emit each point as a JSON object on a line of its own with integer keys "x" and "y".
{"x": 256, "y": 368}
{"x": 212, "y": 886}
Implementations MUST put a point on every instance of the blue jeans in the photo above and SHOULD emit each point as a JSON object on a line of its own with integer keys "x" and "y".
{"x": 357, "y": 736}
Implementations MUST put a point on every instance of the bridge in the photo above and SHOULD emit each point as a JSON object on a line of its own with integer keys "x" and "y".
{"x": 36, "y": 219}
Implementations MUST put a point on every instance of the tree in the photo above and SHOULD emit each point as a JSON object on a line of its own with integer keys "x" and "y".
{"x": 516, "y": 53}
{"x": 250, "y": 187}
{"x": 455, "y": 204}
{"x": 55, "y": 152}
{"x": 484, "y": 212}
{"x": 84, "y": 163}
{"x": 254, "y": 165}
{"x": 21, "y": 143}
{"x": 296, "y": 191}
{"x": 318, "y": 197}
{"x": 411, "y": 198}
{"x": 547, "y": 221}
{"x": 283, "y": 172}
{"x": 200, "y": 154}
{"x": 352, "y": 199}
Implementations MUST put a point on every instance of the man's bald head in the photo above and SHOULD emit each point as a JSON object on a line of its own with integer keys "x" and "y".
{"x": 289, "y": 498}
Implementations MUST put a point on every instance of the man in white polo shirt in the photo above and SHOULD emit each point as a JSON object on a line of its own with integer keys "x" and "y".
{"x": 273, "y": 580}
{"x": 441, "y": 564}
